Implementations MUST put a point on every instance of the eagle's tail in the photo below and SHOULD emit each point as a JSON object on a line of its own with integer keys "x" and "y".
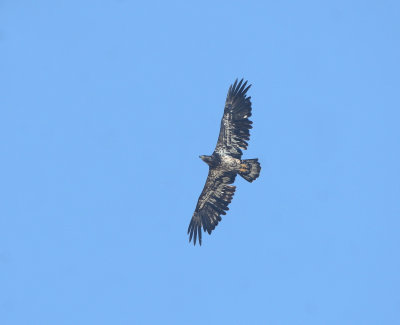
{"x": 252, "y": 169}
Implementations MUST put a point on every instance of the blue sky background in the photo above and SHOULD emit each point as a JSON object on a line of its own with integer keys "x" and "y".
{"x": 105, "y": 108}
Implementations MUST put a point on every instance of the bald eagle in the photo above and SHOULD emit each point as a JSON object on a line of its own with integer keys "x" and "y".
{"x": 225, "y": 163}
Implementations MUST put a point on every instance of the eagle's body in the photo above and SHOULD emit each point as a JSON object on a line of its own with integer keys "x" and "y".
{"x": 225, "y": 163}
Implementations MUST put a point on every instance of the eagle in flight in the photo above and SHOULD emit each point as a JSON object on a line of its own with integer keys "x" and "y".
{"x": 225, "y": 163}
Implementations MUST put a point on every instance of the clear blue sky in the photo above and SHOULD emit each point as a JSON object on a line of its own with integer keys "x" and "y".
{"x": 105, "y": 108}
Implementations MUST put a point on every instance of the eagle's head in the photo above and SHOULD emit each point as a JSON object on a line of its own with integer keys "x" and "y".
{"x": 207, "y": 159}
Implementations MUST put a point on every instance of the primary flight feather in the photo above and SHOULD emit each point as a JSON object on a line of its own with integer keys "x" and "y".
{"x": 225, "y": 163}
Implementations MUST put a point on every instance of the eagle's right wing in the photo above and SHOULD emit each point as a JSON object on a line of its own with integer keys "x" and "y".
{"x": 213, "y": 201}
{"x": 235, "y": 124}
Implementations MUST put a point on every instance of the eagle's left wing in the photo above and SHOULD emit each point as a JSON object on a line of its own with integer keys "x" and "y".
{"x": 235, "y": 124}
{"x": 213, "y": 201}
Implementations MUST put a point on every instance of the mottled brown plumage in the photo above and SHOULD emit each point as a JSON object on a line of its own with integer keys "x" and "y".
{"x": 225, "y": 163}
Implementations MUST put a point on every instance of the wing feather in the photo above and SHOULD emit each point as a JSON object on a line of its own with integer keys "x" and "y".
{"x": 235, "y": 124}
{"x": 213, "y": 201}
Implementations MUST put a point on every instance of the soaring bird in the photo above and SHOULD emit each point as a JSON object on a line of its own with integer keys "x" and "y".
{"x": 225, "y": 163}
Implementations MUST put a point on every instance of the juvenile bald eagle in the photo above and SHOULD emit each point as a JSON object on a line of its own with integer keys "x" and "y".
{"x": 225, "y": 163}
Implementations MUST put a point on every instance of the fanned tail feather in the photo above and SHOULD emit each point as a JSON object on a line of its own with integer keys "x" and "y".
{"x": 253, "y": 169}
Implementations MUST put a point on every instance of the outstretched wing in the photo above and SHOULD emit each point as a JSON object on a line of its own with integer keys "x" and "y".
{"x": 235, "y": 123}
{"x": 213, "y": 201}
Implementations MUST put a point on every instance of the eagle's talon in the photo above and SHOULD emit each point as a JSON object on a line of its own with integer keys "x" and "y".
{"x": 243, "y": 168}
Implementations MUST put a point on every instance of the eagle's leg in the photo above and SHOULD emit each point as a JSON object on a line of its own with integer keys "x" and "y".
{"x": 243, "y": 168}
